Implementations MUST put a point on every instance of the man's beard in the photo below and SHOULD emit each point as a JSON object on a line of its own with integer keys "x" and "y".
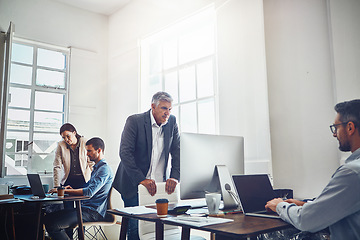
{"x": 344, "y": 146}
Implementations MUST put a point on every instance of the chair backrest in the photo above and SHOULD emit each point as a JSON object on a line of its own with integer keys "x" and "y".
{"x": 146, "y": 199}
{"x": 110, "y": 217}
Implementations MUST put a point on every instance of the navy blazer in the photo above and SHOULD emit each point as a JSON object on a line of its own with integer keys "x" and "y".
{"x": 135, "y": 152}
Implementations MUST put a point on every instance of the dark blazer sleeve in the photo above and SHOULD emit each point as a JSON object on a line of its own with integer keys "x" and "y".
{"x": 175, "y": 152}
{"x": 134, "y": 156}
{"x": 130, "y": 154}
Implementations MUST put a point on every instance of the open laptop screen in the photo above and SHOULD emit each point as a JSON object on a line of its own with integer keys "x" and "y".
{"x": 36, "y": 185}
{"x": 254, "y": 191}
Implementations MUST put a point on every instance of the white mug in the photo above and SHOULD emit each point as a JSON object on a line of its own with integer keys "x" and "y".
{"x": 213, "y": 202}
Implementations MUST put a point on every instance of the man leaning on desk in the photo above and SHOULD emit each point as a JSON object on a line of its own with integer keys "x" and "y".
{"x": 338, "y": 206}
{"x": 98, "y": 188}
{"x": 146, "y": 142}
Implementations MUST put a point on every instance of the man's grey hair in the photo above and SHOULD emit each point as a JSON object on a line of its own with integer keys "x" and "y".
{"x": 161, "y": 96}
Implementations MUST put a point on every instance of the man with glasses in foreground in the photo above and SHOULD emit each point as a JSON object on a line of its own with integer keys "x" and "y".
{"x": 338, "y": 206}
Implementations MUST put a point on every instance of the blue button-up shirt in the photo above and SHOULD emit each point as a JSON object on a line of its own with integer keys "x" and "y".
{"x": 98, "y": 188}
{"x": 337, "y": 207}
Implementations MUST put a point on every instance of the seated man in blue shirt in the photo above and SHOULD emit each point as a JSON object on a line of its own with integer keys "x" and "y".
{"x": 98, "y": 189}
{"x": 338, "y": 206}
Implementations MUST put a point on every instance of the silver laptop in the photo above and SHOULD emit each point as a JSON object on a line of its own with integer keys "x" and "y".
{"x": 254, "y": 192}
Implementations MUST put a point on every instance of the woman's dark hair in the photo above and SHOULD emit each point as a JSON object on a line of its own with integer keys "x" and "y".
{"x": 69, "y": 127}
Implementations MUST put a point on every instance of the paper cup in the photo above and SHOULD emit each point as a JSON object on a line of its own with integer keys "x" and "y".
{"x": 162, "y": 207}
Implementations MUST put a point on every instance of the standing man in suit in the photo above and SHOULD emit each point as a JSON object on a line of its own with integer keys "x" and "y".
{"x": 146, "y": 142}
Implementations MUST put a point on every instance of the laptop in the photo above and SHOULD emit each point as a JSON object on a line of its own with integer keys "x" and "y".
{"x": 36, "y": 186}
{"x": 254, "y": 192}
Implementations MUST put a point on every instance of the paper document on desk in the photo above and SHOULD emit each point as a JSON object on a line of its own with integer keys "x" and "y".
{"x": 198, "y": 221}
{"x": 137, "y": 210}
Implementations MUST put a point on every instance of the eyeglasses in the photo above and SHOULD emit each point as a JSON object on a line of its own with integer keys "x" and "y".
{"x": 334, "y": 126}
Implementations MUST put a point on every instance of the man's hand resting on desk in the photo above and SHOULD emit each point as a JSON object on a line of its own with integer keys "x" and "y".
{"x": 170, "y": 185}
{"x": 150, "y": 186}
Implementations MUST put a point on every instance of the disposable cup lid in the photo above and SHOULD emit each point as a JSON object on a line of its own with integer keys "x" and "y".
{"x": 162, "y": 200}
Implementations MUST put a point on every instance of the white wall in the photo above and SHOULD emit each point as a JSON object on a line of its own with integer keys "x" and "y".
{"x": 242, "y": 81}
{"x": 345, "y": 35}
{"x": 302, "y": 92}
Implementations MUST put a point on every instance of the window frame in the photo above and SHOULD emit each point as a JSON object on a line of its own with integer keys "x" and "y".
{"x": 33, "y": 87}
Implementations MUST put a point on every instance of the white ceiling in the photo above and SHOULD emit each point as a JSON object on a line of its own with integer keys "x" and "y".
{"x": 106, "y": 7}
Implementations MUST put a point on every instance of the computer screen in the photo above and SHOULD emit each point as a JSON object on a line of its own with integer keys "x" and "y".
{"x": 200, "y": 153}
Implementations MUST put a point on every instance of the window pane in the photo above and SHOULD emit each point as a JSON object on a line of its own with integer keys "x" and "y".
{"x": 20, "y": 97}
{"x": 175, "y": 112}
{"x": 205, "y": 79}
{"x": 171, "y": 86}
{"x": 49, "y": 122}
{"x": 49, "y": 101}
{"x": 16, "y": 164}
{"x": 187, "y": 84}
{"x": 196, "y": 44}
{"x": 42, "y": 163}
{"x": 154, "y": 59}
{"x": 18, "y": 119}
{"x": 21, "y": 53}
{"x": 170, "y": 53}
{"x": 45, "y": 143}
{"x": 16, "y": 159}
{"x": 50, "y": 78}
{"x": 44, "y": 148}
{"x": 188, "y": 118}
{"x": 206, "y": 113}
{"x": 48, "y": 58}
{"x": 20, "y": 74}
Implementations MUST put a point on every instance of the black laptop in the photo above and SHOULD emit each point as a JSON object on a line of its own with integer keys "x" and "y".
{"x": 37, "y": 187}
{"x": 254, "y": 192}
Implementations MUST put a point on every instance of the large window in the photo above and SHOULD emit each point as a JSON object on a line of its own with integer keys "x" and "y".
{"x": 36, "y": 107}
{"x": 181, "y": 61}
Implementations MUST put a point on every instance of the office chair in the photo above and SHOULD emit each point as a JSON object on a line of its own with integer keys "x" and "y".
{"x": 146, "y": 228}
{"x": 93, "y": 230}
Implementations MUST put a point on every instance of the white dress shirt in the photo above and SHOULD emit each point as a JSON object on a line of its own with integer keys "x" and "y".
{"x": 157, "y": 165}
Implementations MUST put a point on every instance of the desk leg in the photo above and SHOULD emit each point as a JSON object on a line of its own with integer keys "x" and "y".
{"x": 124, "y": 227}
{"x": 80, "y": 221}
{"x": 38, "y": 220}
{"x": 159, "y": 231}
{"x": 11, "y": 210}
{"x": 185, "y": 233}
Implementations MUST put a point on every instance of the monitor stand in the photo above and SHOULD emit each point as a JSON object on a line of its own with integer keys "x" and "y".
{"x": 222, "y": 182}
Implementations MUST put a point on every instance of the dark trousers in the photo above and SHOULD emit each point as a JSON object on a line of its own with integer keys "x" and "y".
{"x": 75, "y": 182}
{"x": 133, "y": 228}
{"x": 57, "y": 222}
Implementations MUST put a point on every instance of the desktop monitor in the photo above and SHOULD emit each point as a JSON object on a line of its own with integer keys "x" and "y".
{"x": 200, "y": 153}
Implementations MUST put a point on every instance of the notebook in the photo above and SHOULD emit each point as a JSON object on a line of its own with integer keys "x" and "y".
{"x": 36, "y": 186}
{"x": 254, "y": 192}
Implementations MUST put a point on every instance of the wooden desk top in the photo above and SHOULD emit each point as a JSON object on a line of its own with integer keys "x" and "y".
{"x": 28, "y": 198}
{"x": 242, "y": 226}
{"x": 147, "y": 217}
{"x": 10, "y": 201}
